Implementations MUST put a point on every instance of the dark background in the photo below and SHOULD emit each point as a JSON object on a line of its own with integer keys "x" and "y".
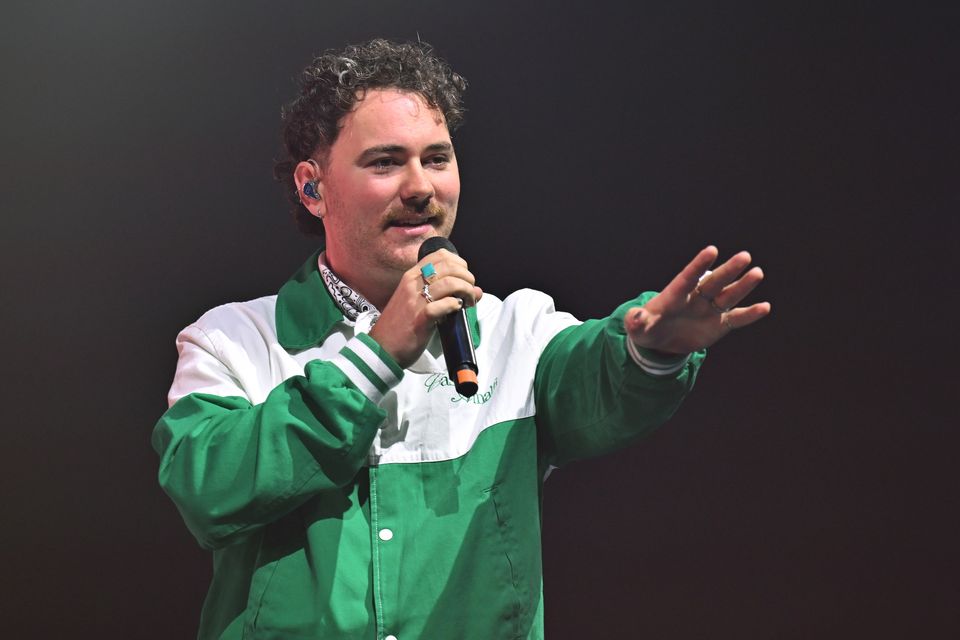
{"x": 807, "y": 489}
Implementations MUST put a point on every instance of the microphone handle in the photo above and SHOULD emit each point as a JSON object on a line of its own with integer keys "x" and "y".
{"x": 458, "y": 352}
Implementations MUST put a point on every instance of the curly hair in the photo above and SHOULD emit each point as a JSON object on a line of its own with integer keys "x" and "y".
{"x": 333, "y": 84}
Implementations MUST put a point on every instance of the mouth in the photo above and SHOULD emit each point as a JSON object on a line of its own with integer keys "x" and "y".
{"x": 413, "y": 228}
{"x": 414, "y": 223}
{"x": 410, "y": 222}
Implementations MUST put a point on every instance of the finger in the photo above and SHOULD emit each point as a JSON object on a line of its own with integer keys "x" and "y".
{"x": 685, "y": 281}
{"x": 739, "y": 318}
{"x": 443, "y": 264}
{"x": 439, "y": 309}
{"x": 445, "y": 270}
{"x": 734, "y": 293}
{"x": 454, "y": 287}
{"x": 711, "y": 286}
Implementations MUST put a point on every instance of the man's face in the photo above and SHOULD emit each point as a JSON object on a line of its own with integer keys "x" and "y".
{"x": 390, "y": 181}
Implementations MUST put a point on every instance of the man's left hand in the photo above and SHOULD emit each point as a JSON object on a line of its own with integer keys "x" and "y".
{"x": 692, "y": 313}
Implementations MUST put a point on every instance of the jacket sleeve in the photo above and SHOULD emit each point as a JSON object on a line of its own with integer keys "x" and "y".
{"x": 232, "y": 466}
{"x": 593, "y": 397}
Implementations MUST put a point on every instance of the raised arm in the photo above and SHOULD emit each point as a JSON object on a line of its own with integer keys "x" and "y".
{"x": 605, "y": 383}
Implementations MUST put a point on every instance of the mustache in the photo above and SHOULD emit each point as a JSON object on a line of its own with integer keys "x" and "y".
{"x": 430, "y": 210}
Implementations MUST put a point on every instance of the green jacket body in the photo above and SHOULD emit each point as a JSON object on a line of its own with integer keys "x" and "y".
{"x": 346, "y": 498}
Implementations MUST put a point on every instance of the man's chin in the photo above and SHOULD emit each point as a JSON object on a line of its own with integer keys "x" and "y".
{"x": 407, "y": 246}
{"x": 403, "y": 258}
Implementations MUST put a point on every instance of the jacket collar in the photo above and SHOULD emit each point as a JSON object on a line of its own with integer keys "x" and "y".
{"x": 306, "y": 313}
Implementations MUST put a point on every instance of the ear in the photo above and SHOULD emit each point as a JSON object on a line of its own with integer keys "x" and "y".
{"x": 306, "y": 172}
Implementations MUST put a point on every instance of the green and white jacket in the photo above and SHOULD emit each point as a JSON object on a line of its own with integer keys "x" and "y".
{"x": 346, "y": 498}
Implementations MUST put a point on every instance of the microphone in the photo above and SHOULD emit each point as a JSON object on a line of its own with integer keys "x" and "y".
{"x": 455, "y": 333}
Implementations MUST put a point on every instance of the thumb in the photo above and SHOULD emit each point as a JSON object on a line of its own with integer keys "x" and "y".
{"x": 636, "y": 320}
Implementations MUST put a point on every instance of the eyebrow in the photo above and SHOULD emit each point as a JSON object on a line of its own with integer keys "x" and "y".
{"x": 396, "y": 148}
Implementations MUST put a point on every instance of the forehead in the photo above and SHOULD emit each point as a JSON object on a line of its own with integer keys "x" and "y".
{"x": 389, "y": 116}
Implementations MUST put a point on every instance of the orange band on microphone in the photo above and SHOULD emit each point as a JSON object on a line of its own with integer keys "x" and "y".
{"x": 466, "y": 375}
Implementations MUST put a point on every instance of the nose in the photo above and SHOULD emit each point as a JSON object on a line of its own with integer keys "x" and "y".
{"x": 417, "y": 189}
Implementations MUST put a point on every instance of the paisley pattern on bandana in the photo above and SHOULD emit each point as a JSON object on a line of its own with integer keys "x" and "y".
{"x": 351, "y": 303}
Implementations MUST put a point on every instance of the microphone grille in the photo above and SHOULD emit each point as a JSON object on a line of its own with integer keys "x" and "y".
{"x": 435, "y": 244}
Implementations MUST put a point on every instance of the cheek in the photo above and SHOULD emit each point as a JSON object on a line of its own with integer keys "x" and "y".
{"x": 362, "y": 190}
{"x": 449, "y": 187}
{"x": 375, "y": 190}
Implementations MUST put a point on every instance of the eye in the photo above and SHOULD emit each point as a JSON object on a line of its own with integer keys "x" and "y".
{"x": 439, "y": 160}
{"x": 382, "y": 165}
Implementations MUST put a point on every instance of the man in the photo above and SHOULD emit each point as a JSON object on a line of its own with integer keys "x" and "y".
{"x": 314, "y": 442}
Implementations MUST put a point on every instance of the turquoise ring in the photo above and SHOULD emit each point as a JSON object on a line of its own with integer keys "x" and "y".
{"x": 428, "y": 272}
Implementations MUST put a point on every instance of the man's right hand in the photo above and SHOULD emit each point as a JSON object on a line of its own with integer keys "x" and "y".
{"x": 408, "y": 321}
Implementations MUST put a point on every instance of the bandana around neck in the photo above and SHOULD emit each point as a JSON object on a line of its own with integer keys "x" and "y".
{"x": 351, "y": 303}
